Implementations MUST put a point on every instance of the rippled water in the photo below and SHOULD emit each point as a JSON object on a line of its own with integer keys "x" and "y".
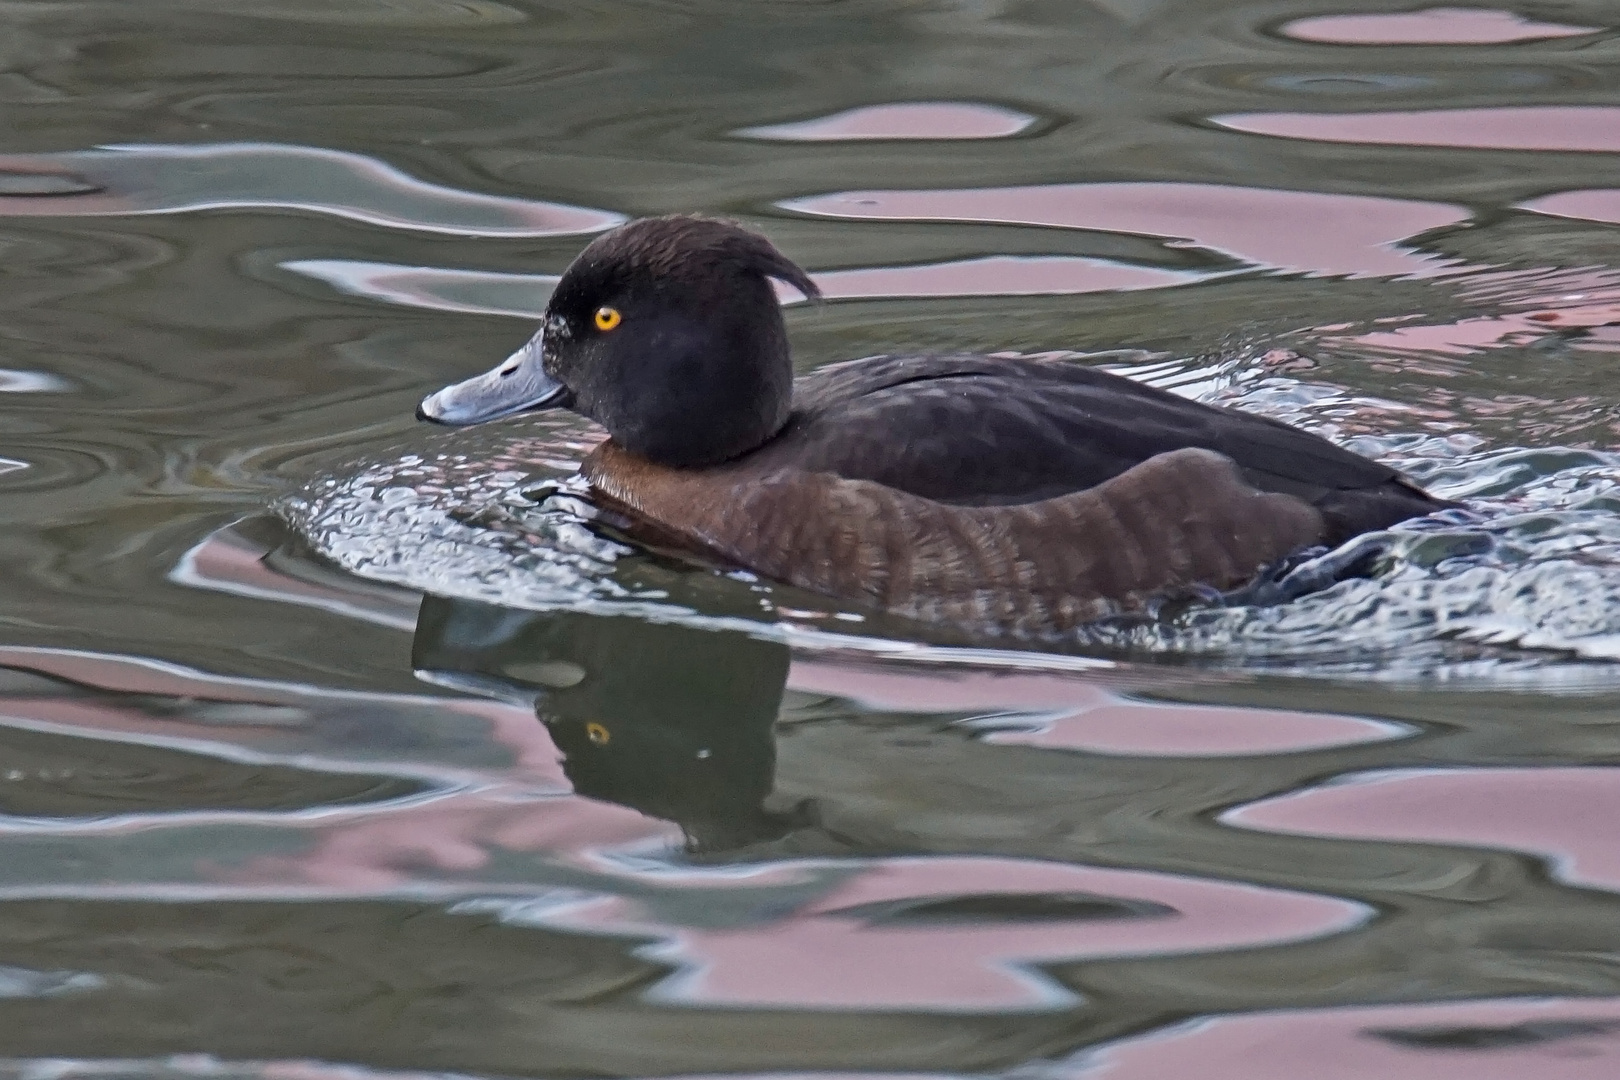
{"x": 333, "y": 746}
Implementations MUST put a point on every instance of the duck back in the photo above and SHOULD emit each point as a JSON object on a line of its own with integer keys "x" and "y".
{"x": 987, "y": 431}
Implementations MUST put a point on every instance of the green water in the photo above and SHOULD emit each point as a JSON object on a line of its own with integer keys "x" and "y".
{"x": 286, "y": 678}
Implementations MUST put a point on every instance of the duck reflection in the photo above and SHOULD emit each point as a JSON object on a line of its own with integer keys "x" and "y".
{"x": 668, "y": 720}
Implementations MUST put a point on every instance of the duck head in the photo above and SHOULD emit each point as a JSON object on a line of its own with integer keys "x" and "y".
{"x": 666, "y": 332}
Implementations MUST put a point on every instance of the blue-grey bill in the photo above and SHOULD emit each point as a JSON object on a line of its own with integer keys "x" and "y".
{"x": 518, "y": 385}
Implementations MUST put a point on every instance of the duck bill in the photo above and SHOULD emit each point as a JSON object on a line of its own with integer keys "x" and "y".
{"x": 520, "y": 384}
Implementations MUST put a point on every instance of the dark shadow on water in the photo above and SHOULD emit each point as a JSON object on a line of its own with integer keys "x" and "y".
{"x": 1514, "y": 1036}
{"x": 1040, "y": 907}
{"x": 668, "y": 720}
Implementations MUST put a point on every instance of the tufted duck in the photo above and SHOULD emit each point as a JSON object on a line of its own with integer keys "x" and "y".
{"x": 1024, "y": 495}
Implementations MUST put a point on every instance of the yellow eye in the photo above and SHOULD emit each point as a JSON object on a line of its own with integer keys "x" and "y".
{"x": 598, "y": 733}
{"x": 607, "y": 318}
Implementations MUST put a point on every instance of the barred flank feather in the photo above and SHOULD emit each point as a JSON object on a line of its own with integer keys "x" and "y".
{"x": 1178, "y": 519}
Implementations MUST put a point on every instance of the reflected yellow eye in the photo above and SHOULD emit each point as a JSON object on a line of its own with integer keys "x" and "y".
{"x": 607, "y": 318}
{"x": 598, "y": 733}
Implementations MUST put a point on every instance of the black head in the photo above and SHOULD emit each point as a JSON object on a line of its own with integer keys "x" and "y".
{"x": 666, "y": 332}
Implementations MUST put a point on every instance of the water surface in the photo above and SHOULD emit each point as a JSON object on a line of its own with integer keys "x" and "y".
{"x": 334, "y": 746}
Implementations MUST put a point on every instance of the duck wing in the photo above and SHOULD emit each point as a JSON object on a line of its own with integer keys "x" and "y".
{"x": 1183, "y": 518}
{"x": 976, "y": 430}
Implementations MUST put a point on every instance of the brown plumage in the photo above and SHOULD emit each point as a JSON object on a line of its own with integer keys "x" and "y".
{"x": 1179, "y": 519}
{"x": 1020, "y": 495}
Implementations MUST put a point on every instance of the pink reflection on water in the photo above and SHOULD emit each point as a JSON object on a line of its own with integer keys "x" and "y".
{"x": 227, "y": 561}
{"x": 823, "y": 956}
{"x": 140, "y": 675}
{"x": 525, "y": 806}
{"x": 1431, "y": 26}
{"x": 1537, "y": 303}
{"x": 159, "y": 179}
{"x": 1596, "y": 204}
{"x": 524, "y": 295}
{"x": 1543, "y": 1039}
{"x": 1461, "y": 338}
{"x": 1468, "y": 336}
{"x": 1548, "y": 127}
{"x": 512, "y": 726}
{"x": 1604, "y": 339}
{"x": 998, "y": 275}
{"x": 1501, "y": 1039}
{"x": 451, "y": 836}
{"x": 1078, "y": 714}
{"x": 906, "y": 120}
{"x": 301, "y": 1070}
{"x": 210, "y": 1068}
{"x": 1564, "y": 814}
{"x": 479, "y": 292}
{"x": 1294, "y": 230}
